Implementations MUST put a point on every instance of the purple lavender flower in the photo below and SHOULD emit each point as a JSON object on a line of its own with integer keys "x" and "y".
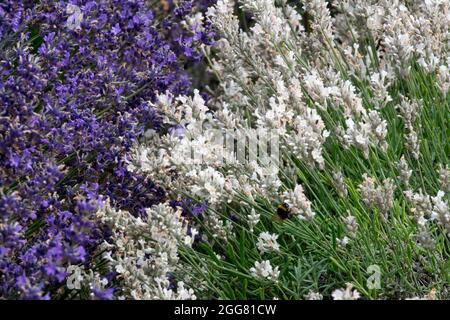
{"x": 186, "y": 42}
{"x": 189, "y": 207}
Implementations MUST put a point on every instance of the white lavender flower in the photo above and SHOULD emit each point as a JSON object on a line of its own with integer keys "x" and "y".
{"x": 444, "y": 177}
{"x": 346, "y": 294}
{"x": 351, "y": 225}
{"x": 358, "y": 135}
{"x": 253, "y": 219}
{"x": 339, "y": 184}
{"x": 409, "y": 111}
{"x": 421, "y": 206}
{"x": 264, "y": 270}
{"x": 425, "y": 239}
{"x": 342, "y": 242}
{"x": 298, "y": 203}
{"x": 444, "y": 79}
{"x": 441, "y": 211}
{"x": 405, "y": 172}
{"x": 80, "y": 278}
{"x": 267, "y": 242}
{"x": 312, "y": 295}
{"x": 379, "y": 197}
{"x": 75, "y": 17}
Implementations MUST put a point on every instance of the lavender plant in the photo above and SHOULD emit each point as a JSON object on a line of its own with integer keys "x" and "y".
{"x": 115, "y": 182}
{"x": 75, "y": 80}
{"x": 359, "y": 100}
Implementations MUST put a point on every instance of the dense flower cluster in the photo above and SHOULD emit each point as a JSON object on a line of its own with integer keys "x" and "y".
{"x": 75, "y": 76}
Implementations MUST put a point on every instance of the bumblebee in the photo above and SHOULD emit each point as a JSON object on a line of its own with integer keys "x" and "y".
{"x": 381, "y": 49}
{"x": 283, "y": 211}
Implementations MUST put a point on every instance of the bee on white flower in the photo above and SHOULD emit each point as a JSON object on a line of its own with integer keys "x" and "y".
{"x": 298, "y": 203}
